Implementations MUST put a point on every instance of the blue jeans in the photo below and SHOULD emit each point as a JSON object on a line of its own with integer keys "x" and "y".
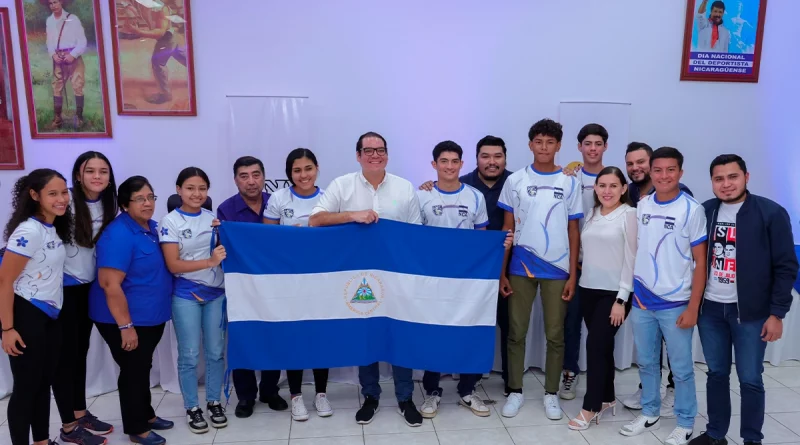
{"x": 648, "y": 329}
{"x": 191, "y": 319}
{"x": 369, "y": 377}
{"x": 573, "y": 323}
{"x": 466, "y": 383}
{"x": 719, "y": 331}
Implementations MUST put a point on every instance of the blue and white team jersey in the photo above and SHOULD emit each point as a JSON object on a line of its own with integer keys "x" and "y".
{"x": 79, "y": 268}
{"x": 587, "y": 192}
{"x": 542, "y": 204}
{"x": 42, "y": 280}
{"x": 662, "y": 274}
{"x": 195, "y": 238}
{"x": 464, "y": 208}
{"x": 290, "y": 208}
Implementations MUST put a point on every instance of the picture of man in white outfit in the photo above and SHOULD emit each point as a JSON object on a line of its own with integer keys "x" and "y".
{"x": 712, "y": 35}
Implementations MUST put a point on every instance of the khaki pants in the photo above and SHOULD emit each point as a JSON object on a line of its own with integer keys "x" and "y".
{"x": 74, "y": 72}
{"x": 520, "y": 305}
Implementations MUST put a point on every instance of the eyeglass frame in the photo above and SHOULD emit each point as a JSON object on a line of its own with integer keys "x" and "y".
{"x": 142, "y": 199}
{"x": 363, "y": 151}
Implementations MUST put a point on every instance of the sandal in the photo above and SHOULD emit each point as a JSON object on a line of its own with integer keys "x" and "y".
{"x": 580, "y": 423}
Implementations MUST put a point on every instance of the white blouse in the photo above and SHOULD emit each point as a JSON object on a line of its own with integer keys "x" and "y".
{"x": 609, "y": 249}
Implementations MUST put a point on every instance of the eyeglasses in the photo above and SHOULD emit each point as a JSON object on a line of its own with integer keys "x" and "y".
{"x": 141, "y": 199}
{"x": 381, "y": 151}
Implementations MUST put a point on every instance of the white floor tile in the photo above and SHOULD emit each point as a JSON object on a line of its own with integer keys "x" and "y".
{"x": 428, "y": 438}
{"x": 781, "y": 400}
{"x": 773, "y": 431}
{"x": 789, "y": 364}
{"x": 265, "y": 442}
{"x": 553, "y": 434}
{"x": 259, "y": 426}
{"x": 607, "y": 433}
{"x": 347, "y": 440}
{"x": 106, "y": 408}
{"x": 787, "y": 376}
{"x": 789, "y": 420}
{"x": 342, "y": 423}
{"x": 180, "y": 434}
{"x": 454, "y": 417}
{"x": 495, "y": 436}
{"x": 388, "y": 421}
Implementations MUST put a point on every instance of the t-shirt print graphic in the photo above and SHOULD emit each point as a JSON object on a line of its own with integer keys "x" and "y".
{"x": 724, "y": 253}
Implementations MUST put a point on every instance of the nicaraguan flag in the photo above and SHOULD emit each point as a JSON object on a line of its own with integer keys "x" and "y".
{"x": 326, "y": 297}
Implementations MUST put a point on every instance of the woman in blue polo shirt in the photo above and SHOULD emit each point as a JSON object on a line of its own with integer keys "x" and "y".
{"x": 31, "y": 297}
{"x": 130, "y": 304}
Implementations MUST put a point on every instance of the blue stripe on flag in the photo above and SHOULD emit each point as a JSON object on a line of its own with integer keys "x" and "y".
{"x": 388, "y": 245}
{"x": 336, "y": 343}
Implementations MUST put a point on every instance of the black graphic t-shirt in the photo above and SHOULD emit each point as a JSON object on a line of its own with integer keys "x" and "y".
{"x": 722, "y": 279}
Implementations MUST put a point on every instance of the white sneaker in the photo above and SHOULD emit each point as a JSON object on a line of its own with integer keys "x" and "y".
{"x": 323, "y": 406}
{"x": 430, "y": 406}
{"x": 299, "y": 411}
{"x": 569, "y": 385}
{"x": 552, "y": 409}
{"x": 633, "y": 401}
{"x": 668, "y": 404}
{"x": 679, "y": 436}
{"x": 639, "y": 425}
{"x": 475, "y": 403}
{"x": 514, "y": 402}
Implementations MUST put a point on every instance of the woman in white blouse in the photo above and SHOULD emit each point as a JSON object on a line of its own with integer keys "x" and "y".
{"x": 608, "y": 241}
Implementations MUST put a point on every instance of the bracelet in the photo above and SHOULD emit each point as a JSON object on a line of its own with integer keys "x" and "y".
{"x": 127, "y": 326}
{"x": 9, "y": 329}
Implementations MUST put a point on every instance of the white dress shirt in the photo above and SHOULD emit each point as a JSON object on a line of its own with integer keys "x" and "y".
{"x": 395, "y": 198}
{"x": 609, "y": 250}
{"x": 704, "y": 30}
{"x": 73, "y": 35}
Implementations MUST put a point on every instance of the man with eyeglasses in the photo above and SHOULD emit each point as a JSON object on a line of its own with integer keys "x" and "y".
{"x": 363, "y": 197}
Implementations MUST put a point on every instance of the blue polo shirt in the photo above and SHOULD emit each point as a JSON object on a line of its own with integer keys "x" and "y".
{"x": 236, "y": 210}
{"x": 126, "y": 246}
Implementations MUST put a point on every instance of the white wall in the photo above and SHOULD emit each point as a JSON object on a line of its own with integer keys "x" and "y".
{"x": 420, "y": 72}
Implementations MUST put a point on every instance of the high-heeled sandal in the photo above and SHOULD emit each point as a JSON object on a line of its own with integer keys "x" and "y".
{"x": 605, "y": 407}
{"x": 581, "y": 423}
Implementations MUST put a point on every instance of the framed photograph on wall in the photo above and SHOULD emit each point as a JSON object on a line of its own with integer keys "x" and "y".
{"x": 65, "y": 71}
{"x": 722, "y": 40}
{"x": 153, "y": 61}
{"x": 10, "y": 136}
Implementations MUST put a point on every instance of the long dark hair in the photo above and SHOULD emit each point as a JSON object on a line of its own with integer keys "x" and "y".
{"x": 83, "y": 219}
{"x": 24, "y": 206}
{"x": 298, "y": 153}
{"x": 625, "y": 198}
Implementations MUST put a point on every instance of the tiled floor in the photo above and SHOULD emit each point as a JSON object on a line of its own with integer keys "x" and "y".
{"x": 454, "y": 424}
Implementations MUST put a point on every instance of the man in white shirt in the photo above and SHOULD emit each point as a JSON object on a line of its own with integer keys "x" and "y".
{"x": 668, "y": 289}
{"x": 712, "y": 36}
{"x": 363, "y": 197}
{"x": 66, "y": 43}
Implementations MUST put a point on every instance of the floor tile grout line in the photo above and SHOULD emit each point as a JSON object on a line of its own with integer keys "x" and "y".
{"x": 781, "y": 423}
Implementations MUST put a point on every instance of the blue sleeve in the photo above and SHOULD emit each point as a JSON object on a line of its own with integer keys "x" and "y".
{"x": 115, "y": 249}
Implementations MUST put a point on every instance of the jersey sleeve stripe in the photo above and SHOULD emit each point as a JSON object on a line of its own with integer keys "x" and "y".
{"x": 505, "y": 207}
{"x": 575, "y": 216}
{"x": 14, "y": 251}
{"x": 481, "y": 225}
{"x": 699, "y": 240}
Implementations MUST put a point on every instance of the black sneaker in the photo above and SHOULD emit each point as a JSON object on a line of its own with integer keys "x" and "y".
{"x": 410, "y": 413}
{"x": 217, "y": 415}
{"x": 197, "y": 423}
{"x": 274, "y": 401}
{"x": 81, "y": 436}
{"x": 244, "y": 409}
{"x": 705, "y": 439}
{"x": 367, "y": 411}
{"x": 94, "y": 425}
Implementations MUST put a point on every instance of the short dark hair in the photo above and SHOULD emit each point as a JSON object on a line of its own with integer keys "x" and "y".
{"x": 370, "y": 134}
{"x": 546, "y": 127}
{"x": 633, "y": 146}
{"x": 490, "y": 140}
{"x": 727, "y": 159}
{"x": 593, "y": 130}
{"x": 191, "y": 172}
{"x": 129, "y": 187}
{"x": 448, "y": 146}
{"x": 298, "y": 153}
{"x": 611, "y": 170}
{"x": 718, "y": 4}
{"x": 667, "y": 153}
{"x": 247, "y": 161}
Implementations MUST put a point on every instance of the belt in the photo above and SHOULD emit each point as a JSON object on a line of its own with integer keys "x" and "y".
{"x": 65, "y": 49}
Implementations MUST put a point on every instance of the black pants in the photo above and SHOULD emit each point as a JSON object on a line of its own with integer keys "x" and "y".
{"x": 244, "y": 380}
{"x": 33, "y": 372}
{"x": 596, "y": 308}
{"x": 134, "y": 374}
{"x": 502, "y": 322}
{"x": 69, "y": 384}
{"x": 296, "y": 381}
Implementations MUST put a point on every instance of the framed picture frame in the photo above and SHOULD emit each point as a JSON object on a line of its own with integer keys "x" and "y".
{"x": 11, "y": 157}
{"x": 722, "y": 40}
{"x": 64, "y": 66}
{"x": 153, "y": 57}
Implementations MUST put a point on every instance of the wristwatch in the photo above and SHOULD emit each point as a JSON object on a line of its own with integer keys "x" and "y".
{"x": 620, "y": 301}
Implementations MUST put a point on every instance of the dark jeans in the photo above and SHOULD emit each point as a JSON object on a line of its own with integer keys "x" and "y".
{"x": 244, "y": 380}
{"x": 295, "y": 378}
{"x": 69, "y": 384}
{"x": 369, "y": 377}
{"x": 466, "y": 383}
{"x": 134, "y": 374}
{"x": 596, "y": 307}
{"x": 719, "y": 330}
{"x": 502, "y": 323}
{"x": 572, "y": 331}
{"x": 33, "y": 372}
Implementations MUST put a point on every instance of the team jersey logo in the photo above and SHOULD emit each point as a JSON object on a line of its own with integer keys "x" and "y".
{"x": 289, "y": 213}
{"x": 646, "y": 219}
{"x": 462, "y": 211}
{"x": 669, "y": 223}
{"x": 22, "y": 242}
{"x": 51, "y": 245}
{"x": 558, "y": 193}
{"x": 186, "y": 233}
{"x": 532, "y": 189}
{"x": 437, "y": 210}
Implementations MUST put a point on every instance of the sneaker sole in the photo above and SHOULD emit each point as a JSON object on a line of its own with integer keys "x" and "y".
{"x": 631, "y": 434}
{"x": 199, "y": 431}
{"x": 633, "y": 407}
{"x": 324, "y": 413}
{"x": 367, "y": 422}
{"x": 477, "y": 413}
{"x": 554, "y": 418}
{"x": 100, "y": 433}
{"x": 412, "y": 425}
{"x": 509, "y": 416}
{"x": 219, "y": 425}
{"x": 566, "y": 395}
{"x": 428, "y": 415}
{"x": 299, "y": 418}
